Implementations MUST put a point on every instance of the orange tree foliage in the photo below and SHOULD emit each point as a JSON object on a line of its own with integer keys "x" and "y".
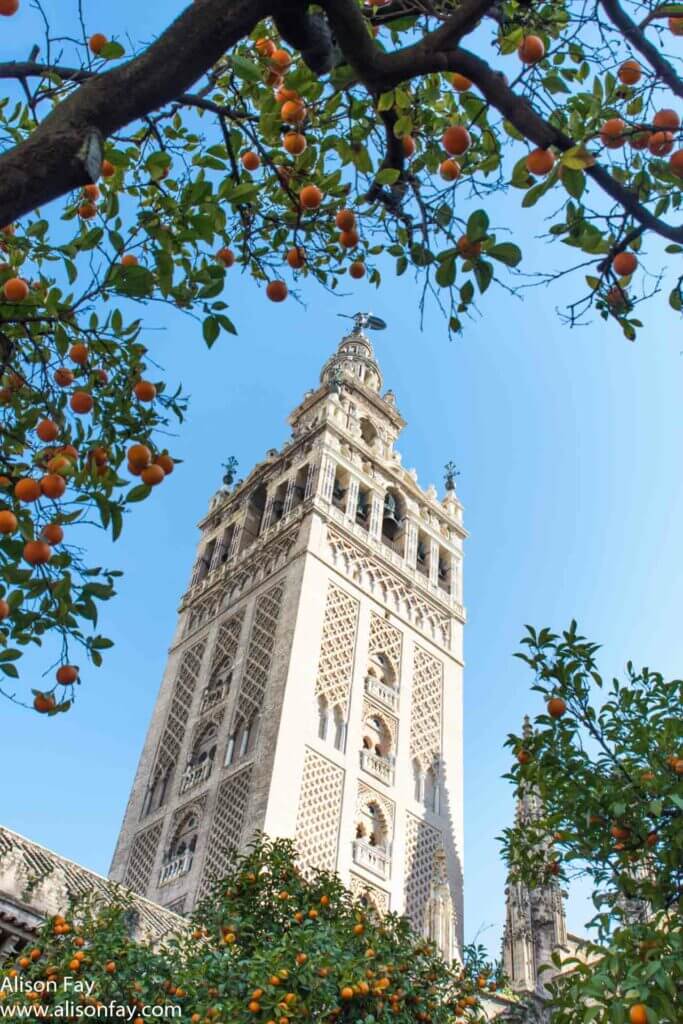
{"x": 296, "y": 143}
{"x": 610, "y": 777}
{"x": 266, "y": 945}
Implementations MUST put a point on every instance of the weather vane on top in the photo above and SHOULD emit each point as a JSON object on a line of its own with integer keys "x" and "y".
{"x": 450, "y": 473}
{"x": 361, "y": 320}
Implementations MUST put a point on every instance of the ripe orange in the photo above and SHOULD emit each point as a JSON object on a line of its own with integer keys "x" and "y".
{"x": 254, "y": 1006}
{"x": 676, "y": 25}
{"x": 251, "y": 161}
{"x": 15, "y": 289}
{"x": 612, "y": 133}
{"x": 408, "y": 143}
{"x": 67, "y": 674}
{"x": 310, "y": 197}
{"x": 358, "y": 929}
{"x": 531, "y": 50}
{"x": 52, "y": 533}
{"x": 225, "y": 256}
{"x": 97, "y": 42}
{"x": 296, "y": 257}
{"x": 619, "y": 832}
{"x": 624, "y": 263}
{"x": 8, "y": 521}
{"x": 139, "y": 456}
{"x": 8, "y": 7}
{"x": 467, "y": 249}
{"x": 449, "y": 170}
{"x": 37, "y": 552}
{"x": 44, "y": 702}
{"x": 135, "y": 470}
{"x": 78, "y": 353}
{"x": 276, "y": 291}
{"x": 523, "y": 756}
{"x": 4, "y": 610}
{"x": 667, "y": 118}
{"x": 152, "y": 475}
{"x": 349, "y": 239}
{"x": 283, "y": 94}
{"x": 63, "y": 377}
{"x": 60, "y": 464}
{"x": 456, "y": 140}
{"x": 108, "y": 169}
{"x": 110, "y": 967}
{"x": 293, "y": 111}
{"x": 347, "y": 992}
{"x": 129, "y": 260}
{"x": 47, "y": 430}
{"x": 639, "y": 138}
{"x": 53, "y": 485}
{"x": 145, "y": 391}
{"x": 630, "y": 72}
{"x": 81, "y": 402}
{"x": 86, "y": 211}
{"x": 27, "y": 489}
{"x": 357, "y": 270}
{"x": 676, "y": 163}
{"x": 661, "y": 143}
{"x": 638, "y": 1014}
{"x": 266, "y": 47}
{"x": 280, "y": 60}
{"x": 540, "y": 161}
{"x": 652, "y": 839}
{"x": 91, "y": 192}
{"x": 345, "y": 220}
{"x": 166, "y": 462}
{"x": 460, "y": 83}
{"x": 556, "y": 707}
{"x": 294, "y": 143}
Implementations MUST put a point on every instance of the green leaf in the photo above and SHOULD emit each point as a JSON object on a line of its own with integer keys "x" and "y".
{"x": 445, "y": 274}
{"x": 477, "y": 226}
{"x": 483, "y": 273}
{"x": 574, "y": 182}
{"x": 386, "y": 101}
{"x": 138, "y": 493}
{"x": 210, "y": 329}
{"x": 246, "y": 69}
{"x": 506, "y": 252}
{"x": 389, "y": 176}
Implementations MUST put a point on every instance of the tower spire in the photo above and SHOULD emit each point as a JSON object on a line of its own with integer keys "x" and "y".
{"x": 355, "y": 356}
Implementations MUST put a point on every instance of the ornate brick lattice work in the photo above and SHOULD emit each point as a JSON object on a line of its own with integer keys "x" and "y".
{"x": 358, "y": 565}
{"x": 202, "y": 611}
{"x": 422, "y": 842}
{"x": 377, "y": 899}
{"x": 141, "y": 860}
{"x": 385, "y": 639}
{"x": 426, "y": 714}
{"x": 260, "y": 653}
{"x": 317, "y": 826}
{"x": 181, "y": 702}
{"x": 227, "y": 826}
{"x": 227, "y": 643}
{"x": 337, "y": 647}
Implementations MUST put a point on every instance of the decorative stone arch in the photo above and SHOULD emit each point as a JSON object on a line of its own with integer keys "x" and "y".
{"x": 381, "y": 728}
{"x": 368, "y": 796}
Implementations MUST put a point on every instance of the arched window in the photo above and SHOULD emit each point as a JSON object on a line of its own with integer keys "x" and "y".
{"x": 376, "y": 736}
{"x": 241, "y": 740}
{"x": 431, "y": 790}
{"x": 200, "y": 765}
{"x": 158, "y": 791}
{"x": 393, "y": 520}
{"x": 368, "y": 431}
{"x": 371, "y": 826}
{"x": 254, "y": 517}
{"x": 180, "y": 853}
{"x": 323, "y": 717}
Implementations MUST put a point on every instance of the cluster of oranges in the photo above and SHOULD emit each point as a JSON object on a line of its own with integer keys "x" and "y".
{"x": 152, "y": 469}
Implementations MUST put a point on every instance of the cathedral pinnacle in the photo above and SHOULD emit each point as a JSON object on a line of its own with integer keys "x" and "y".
{"x": 354, "y": 356}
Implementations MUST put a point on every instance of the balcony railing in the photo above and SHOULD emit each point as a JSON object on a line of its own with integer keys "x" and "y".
{"x": 175, "y": 868}
{"x": 196, "y": 774}
{"x": 381, "y": 767}
{"x": 372, "y": 858}
{"x": 386, "y": 694}
{"x": 212, "y": 695}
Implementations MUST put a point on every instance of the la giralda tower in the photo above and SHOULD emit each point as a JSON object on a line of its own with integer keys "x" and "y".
{"x": 314, "y": 685}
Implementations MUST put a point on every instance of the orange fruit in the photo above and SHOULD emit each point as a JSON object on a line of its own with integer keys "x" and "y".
{"x": 456, "y": 140}
{"x": 661, "y": 143}
{"x": 280, "y": 60}
{"x": 637, "y": 1014}
{"x": 612, "y": 133}
{"x": 624, "y": 263}
{"x": 640, "y": 138}
{"x": 349, "y": 239}
{"x": 294, "y": 143}
{"x": 110, "y": 967}
{"x": 357, "y": 270}
{"x": 277, "y": 291}
{"x": 15, "y": 289}
{"x": 467, "y": 249}
{"x": 44, "y": 702}
{"x": 37, "y": 552}
{"x": 523, "y": 756}
{"x": 8, "y": 521}
{"x": 250, "y": 161}
{"x": 630, "y": 72}
{"x": 676, "y": 25}
{"x": 78, "y": 353}
{"x": 166, "y": 462}
{"x": 139, "y": 456}
{"x": 27, "y": 489}
{"x": 667, "y": 119}
{"x": 4, "y": 610}
{"x": 531, "y": 50}
{"x": 97, "y": 42}
{"x": 152, "y": 475}
{"x": 293, "y": 111}
{"x": 86, "y": 211}
{"x": 347, "y": 992}
{"x": 145, "y": 391}
{"x": 345, "y": 220}
{"x": 310, "y": 197}
{"x": 129, "y": 260}
{"x": 296, "y": 257}
{"x": 52, "y": 533}
{"x": 449, "y": 170}
{"x": 409, "y": 147}
{"x": 63, "y": 377}
{"x": 266, "y": 47}
{"x": 676, "y": 162}
{"x": 556, "y": 707}
{"x": 53, "y": 485}
{"x": 47, "y": 430}
{"x": 107, "y": 169}
{"x": 67, "y": 674}
{"x": 540, "y": 161}
{"x": 8, "y": 7}
{"x": 460, "y": 83}
{"x": 81, "y": 402}
{"x": 225, "y": 256}
{"x": 91, "y": 192}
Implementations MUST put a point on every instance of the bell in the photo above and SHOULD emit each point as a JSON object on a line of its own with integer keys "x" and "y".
{"x": 390, "y": 520}
{"x": 361, "y": 510}
{"x": 338, "y": 492}
{"x": 421, "y": 553}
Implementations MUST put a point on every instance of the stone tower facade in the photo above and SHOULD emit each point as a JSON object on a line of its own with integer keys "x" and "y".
{"x": 535, "y": 924}
{"x": 314, "y": 684}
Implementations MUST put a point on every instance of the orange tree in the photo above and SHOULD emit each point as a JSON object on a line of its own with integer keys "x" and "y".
{"x": 267, "y": 944}
{"x": 290, "y": 141}
{"x": 610, "y": 777}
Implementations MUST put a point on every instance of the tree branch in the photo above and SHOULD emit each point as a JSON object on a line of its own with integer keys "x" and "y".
{"x": 639, "y": 42}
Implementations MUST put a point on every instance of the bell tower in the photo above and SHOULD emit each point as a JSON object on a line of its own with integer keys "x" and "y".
{"x": 314, "y": 684}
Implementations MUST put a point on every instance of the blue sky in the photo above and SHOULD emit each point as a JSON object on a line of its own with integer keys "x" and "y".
{"x": 569, "y": 445}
